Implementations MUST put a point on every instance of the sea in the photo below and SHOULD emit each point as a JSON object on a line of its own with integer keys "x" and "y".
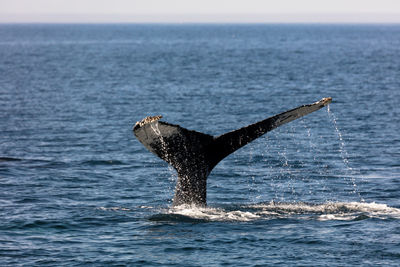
{"x": 78, "y": 189}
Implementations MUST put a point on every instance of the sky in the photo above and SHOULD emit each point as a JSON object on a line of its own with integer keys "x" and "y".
{"x": 192, "y": 11}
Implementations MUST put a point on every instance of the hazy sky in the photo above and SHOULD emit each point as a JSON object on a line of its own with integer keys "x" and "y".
{"x": 199, "y": 10}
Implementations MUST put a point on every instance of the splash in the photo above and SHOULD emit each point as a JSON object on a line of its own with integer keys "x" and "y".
{"x": 213, "y": 214}
{"x": 343, "y": 153}
{"x": 113, "y": 209}
{"x": 172, "y": 174}
{"x": 335, "y": 211}
{"x": 320, "y": 168}
{"x": 157, "y": 131}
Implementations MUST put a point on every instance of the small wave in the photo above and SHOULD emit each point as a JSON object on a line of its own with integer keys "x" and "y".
{"x": 37, "y": 162}
{"x": 343, "y": 211}
{"x": 114, "y": 208}
{"x": 175, "y": 217}
{"x": 44, "y": 224}
{"x": 9, "y": 159}
{"x": 102, "y": 162}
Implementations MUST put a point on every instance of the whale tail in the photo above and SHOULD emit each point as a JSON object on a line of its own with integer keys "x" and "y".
{"x": 194, "y": 154}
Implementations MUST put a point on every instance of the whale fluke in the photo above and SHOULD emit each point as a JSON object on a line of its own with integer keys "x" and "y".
{"x": 194, "y": 154}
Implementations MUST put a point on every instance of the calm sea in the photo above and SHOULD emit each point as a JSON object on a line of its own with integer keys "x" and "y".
{"x": 78, "y": 189}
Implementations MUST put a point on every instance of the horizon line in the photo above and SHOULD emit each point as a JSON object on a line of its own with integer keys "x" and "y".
{"x": 261, "y": 18}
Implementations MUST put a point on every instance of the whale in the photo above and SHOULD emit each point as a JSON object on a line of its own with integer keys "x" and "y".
{"x": 194, "y": 154}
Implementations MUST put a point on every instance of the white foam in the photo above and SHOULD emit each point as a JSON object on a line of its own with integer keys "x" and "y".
{"x": 340, "y": 211}
{"x": 213, "y": 214}
{"x": 300, "y": 210}
{"x": 114, "y": 208}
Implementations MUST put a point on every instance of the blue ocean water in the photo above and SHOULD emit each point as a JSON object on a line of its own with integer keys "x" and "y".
{"x": 78, "y": 189}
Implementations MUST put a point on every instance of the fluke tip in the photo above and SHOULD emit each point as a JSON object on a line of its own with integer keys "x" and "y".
{"x": 326, "y": 100}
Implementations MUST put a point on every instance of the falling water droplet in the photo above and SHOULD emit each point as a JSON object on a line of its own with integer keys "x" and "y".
{"x": 172, "y": 174}
{"x": 343, "y": 152}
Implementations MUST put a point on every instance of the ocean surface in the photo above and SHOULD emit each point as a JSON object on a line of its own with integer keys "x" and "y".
{"x": 78, "y": 189}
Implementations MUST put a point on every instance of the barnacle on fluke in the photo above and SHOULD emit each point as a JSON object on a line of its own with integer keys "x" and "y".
{"x": 147, "y": 120}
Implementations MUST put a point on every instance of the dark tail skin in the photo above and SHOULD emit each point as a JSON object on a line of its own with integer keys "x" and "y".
{"x": 194, "y": 154}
